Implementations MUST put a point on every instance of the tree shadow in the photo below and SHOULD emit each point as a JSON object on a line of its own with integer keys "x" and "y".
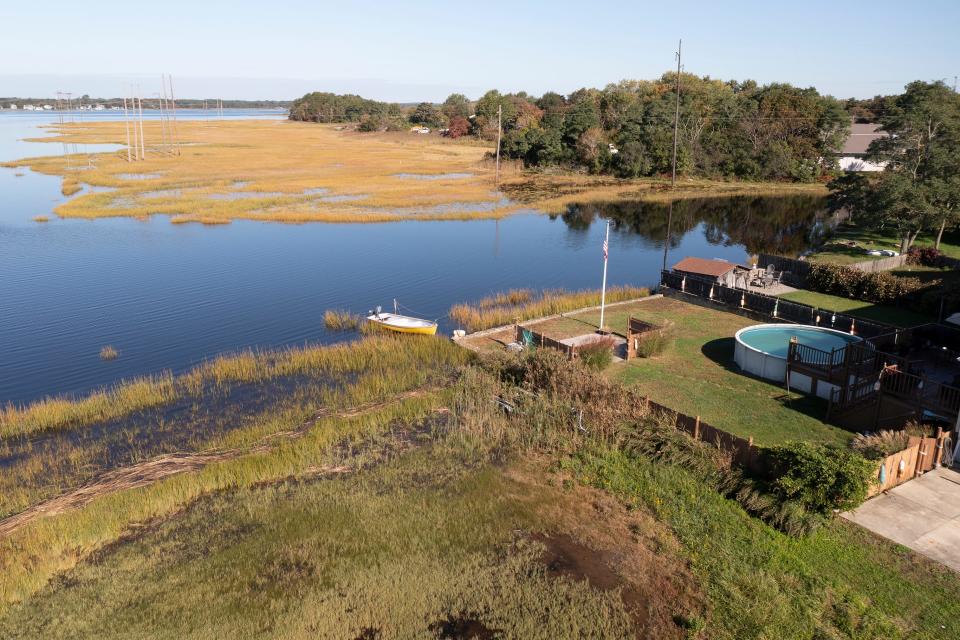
{"x": 720, "y": 351}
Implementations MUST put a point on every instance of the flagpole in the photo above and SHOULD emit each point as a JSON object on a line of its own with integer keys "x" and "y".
{"x": 603, "y": 288}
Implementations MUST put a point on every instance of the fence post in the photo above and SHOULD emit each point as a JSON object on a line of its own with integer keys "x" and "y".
{"x": 939, "y": 457}
{"x": 696, "y": 429}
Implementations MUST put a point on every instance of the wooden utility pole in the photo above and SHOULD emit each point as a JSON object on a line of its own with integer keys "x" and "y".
{"x": 676, "y": 120}
{"x": 499, "y": 132}
{"x": 126, "y": 124}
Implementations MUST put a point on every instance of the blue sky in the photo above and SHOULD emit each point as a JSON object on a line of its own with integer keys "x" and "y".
{"x": 425, "y": 49}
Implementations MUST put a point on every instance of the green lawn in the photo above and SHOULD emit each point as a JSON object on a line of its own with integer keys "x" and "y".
{"x": 897, "y": 316}
{"x": 835, "y": 253}
{"x": 697, "y": 376}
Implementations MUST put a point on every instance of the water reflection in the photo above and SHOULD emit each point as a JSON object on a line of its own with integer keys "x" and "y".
{"x": 786, "y": 225}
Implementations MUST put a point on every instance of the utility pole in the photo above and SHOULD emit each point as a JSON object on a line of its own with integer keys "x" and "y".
{"x": 676, "y": 120}
{"x": 164, "y": 141}
{"x": 126, "y": 124}
{"x": 499, "y": 132}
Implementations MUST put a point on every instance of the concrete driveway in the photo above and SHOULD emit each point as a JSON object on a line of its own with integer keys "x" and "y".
{"x": 923, "y": 514}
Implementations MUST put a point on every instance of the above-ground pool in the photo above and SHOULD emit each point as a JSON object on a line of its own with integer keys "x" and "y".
{"x": 762, "y": 350}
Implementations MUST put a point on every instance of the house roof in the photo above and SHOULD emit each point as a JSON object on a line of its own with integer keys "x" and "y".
{"x": 701, "y": 266}
{"x": 861, "y": 135}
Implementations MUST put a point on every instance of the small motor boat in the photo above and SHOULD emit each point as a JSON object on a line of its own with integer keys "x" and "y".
{"x": 401, "y": 323}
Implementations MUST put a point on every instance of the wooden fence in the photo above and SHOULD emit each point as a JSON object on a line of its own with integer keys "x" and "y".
{"x": 637, "y": 329}
{"x": 528, "y": 337}
{"x": 771, "y": 307}
{"x": 920, "y": 456}
{"x": 743, "y": 452}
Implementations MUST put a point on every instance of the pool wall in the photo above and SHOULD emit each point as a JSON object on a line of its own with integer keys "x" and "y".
{"x": 771, "y": 367}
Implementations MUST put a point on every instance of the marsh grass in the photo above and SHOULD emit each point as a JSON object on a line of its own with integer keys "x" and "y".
{"x": 375, "y": 356}
{"x": 339, "y": 320}
{"x": 70, "y": 186}
{"x": 108, "y": 352}
{"x": 358, "y": 173}
{"x": 524, "y": 304}
{"x": 41, "y": 219}
{"x": 274, "y": 171}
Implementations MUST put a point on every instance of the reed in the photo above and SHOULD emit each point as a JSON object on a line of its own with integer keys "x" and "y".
{"x": 339, "y": 320}
{"x": 518, "y": 305}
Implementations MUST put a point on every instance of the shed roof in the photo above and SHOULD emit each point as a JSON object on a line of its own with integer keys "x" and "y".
{"x": 861, "y": 135}
{"x": 702, "y": 266}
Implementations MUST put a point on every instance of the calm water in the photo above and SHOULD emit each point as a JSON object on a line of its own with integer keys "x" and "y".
{"x": 168, "y": 296}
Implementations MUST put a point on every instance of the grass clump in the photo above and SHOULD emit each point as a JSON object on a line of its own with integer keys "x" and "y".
{"x": 654, "y": 343}
{"x": 516, "y": 305}
{"x": 881, "y": 444}
{"x": 108, "y": 352}
{"x": 598, "y": 354}
{"x": 70, "y": 186}
{"x": 338, "y": 320}
{"x": 41, "y": 218}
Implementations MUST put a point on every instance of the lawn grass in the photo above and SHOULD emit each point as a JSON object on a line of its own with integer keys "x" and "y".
{"x": 839, "y": 582}
{"x": 835, "y": 253}
{"x": 696, "y": 375}
{"x": 897, "y": 316}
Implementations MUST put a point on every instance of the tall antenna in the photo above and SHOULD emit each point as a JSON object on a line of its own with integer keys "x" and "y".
{"x": 676, "y": 120}
{"x": 173, "y": 107}
{"x": 164, "y": 142}
{"x": 143, "y": 150}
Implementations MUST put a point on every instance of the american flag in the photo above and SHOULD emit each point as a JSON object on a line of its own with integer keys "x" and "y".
{"x": 605, "y": 249}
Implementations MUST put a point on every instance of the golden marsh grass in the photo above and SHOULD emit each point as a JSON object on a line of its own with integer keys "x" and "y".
{"x": 523, "y": 304}
{"x": 296, "y": 172}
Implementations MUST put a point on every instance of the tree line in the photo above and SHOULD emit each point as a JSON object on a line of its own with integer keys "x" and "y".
{"x": 726, "y": 129}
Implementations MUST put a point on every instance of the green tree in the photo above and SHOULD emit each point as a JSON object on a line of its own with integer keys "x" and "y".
{"x": 427, "y": 115}
{"x": 455, "y": 105}
{"x": 919, "y": 189}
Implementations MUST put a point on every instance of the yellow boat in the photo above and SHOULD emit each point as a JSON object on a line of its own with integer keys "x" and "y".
{"x": 402, "y": 324}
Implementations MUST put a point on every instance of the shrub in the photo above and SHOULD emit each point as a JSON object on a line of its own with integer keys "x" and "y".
{"x": 820, "y": 477}
{"x": 597, "y": 354}
{"x": 849, "y": 282}
{"x": 926, "y": 256}
{"x": 459, "y": 126}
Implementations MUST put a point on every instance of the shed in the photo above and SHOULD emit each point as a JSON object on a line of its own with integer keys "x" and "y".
{"x": 721, "y": 271}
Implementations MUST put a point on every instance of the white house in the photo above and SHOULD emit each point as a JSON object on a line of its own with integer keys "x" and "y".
{"x": 852, "y": 155}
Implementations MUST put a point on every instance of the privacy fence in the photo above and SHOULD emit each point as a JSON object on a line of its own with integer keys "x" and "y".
{"x": 920, "y": 456}
{"x": 770, "y": 306}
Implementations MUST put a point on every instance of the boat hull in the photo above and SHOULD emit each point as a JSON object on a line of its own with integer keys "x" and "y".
{"x": 404, "y": 324}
